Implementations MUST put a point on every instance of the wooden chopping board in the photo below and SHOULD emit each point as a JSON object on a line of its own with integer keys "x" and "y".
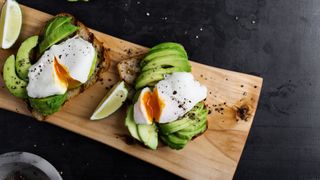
{"x": 232, "y": 99}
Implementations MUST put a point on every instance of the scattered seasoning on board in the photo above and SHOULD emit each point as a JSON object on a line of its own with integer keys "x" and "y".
{"x": 243, "y": 112}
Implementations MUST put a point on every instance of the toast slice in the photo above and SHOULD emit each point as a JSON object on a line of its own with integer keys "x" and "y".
{"x": 129, "y": 69}
{"x": 103, "y": 62}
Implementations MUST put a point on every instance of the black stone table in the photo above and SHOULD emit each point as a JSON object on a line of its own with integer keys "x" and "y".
{"x": 275, "y": 39}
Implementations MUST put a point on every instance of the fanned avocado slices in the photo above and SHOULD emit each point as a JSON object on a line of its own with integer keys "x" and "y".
{"x": 173, "y": 141}
{"x": 156, "y": 53}
{"x": 57, "y": 35}
{"x": 149, "y": 135}
{"x": 164, "y": 58}
{"x": 48, "y": 105}
{"x": 23, "y": 62}
{"x": 154, "y": 75}
{"x": 168, "y": 61}
{"x": 55, "y": 23}
{"x": 131, "y": 125}
{"x": 177, "y": 134}
{"x": 14, "y": 84}
{"x": 174, "y": 126}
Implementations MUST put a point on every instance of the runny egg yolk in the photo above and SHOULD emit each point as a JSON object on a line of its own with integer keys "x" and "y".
{"x": 153, "y": 104}
{"x": 64, "y": 75}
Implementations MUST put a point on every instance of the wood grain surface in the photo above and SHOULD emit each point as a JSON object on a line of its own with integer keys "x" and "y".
{"x": 232, "y": 100}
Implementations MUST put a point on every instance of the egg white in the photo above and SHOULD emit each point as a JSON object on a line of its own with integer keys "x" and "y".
{"x": 140, "y": 114}
{"x": 178, "y": 94}
{"x": 75, "y": 54}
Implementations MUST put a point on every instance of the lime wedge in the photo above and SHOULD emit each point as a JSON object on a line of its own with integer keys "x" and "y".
{"x": 111, "y": 102}
{"x": 10, "y": 23}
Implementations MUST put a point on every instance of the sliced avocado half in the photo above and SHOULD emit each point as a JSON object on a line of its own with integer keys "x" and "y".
{"x": 190, "y": 134}
{"x": 55, "y": 23}
{"x": 131, "y": 124}
{"x": 174, "y": 141}
{"x": 57, "y": 35}
{"x": 15, "y": 85}
{"x": 174, "y": 126}
{"x": 167, "y": 45}
{"x": 157, "y": 53}
{"x": 94, "y": 64}
{"x": 149, "y": 135}
{"x": 48, "y": 105}
{"x": 23, "y": 62}
{"x": 154, "y": 75}
{"x": 168, "y": 61}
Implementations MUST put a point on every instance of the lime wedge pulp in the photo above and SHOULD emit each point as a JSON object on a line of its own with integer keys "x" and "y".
{"x": 111, "y": 102}
{"x": 10, "y": 23}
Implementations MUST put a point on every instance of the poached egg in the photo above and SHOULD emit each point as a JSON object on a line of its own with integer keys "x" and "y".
{"x": 62, "y": 67}
{"x": 170, "y": 99}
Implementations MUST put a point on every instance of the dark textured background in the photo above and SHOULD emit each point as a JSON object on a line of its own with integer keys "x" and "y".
{"x": 275, "y": 39}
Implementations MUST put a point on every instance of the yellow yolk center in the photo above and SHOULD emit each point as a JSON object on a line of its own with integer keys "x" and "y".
{"x": 64, "y": 75}
{"x": 153, "y": 104}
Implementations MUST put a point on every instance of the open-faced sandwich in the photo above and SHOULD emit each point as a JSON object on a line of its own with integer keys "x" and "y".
{"x": 168, "y": 101}
{"x": 60, "y": 63}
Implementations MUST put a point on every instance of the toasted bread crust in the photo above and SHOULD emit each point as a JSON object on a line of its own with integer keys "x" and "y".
{"x": 103, "y": 62}
{"x": 129, "y": 69}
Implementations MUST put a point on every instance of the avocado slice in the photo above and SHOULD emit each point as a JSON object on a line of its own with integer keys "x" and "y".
{"x": 48, "y": 105}
{"x": 14, "y": 84}
{"x": 197, "y": 121}
{"x": 190, "y": 134}
{"x": 168, "y": 61}
{"x": 154, "y": 75}
{"x": 156, "y": 53}
{"x": 188, "y": 120}
{"x": 168, "y": 45}
{"x": 149, "y": 135}
{"x": 130, "y": 124}
{"x": 57, "y": 35}
{"x": 174, "y": 126}
{"x": 23, "y": 60}
{"x": 55, "y": 23}
{"x": 174, "y": 141}
{"x": 94, "y": 64}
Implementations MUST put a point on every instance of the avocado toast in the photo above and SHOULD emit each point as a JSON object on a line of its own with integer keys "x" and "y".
{"x": 64, "y": 49}
{"x": 168, "y": 103}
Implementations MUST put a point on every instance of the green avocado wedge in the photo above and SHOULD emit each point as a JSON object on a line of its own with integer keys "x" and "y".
{"x": 197, "y": 122}
{"x": 149, "y": 135}
{"x": 173, "y": 141}
{"x": 157, "y": 53}
{"x": 188, "y": 135}
{"x": 48, "y": 105}
{"x": 23, "y": 57}
{"x": 15, "y": 85}
{"x": 55, "y": 23}
{"x": 174, "y": 126}
{"x": 167, "y": 45}
{"x": 154, "y": 75}
{"x": 131, "y": 125}
{"x": 191, "y": 119}
{"x": 94, "y": 64}
{"x": 57, "y": 35}
{"x": 168, "y": 61}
